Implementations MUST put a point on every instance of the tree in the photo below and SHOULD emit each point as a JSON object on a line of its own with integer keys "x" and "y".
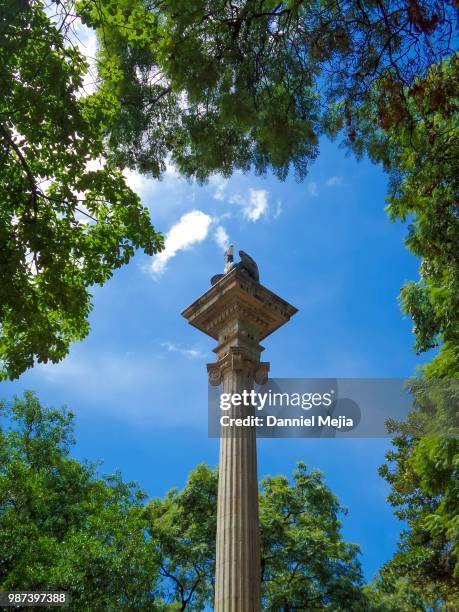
{"x": 183, "y": 526}
{"x": 66, "y": 220}
{"x": 305, "y": 562}
{"x": 422, "y": 470}
{"x": 252, "y": 84}
{"x": 62, "y": 527}
{"x": 421, "y": 149}
{"x": 399, "y": 596}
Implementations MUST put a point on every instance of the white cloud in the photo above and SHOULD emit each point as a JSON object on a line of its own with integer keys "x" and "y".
{"x": 145, "y": 185}
{"x": 278, "y": 210}
{"x": 223, "y": 217}
{"x": 136, "y": 181}
{"x": 189, "y": 353}
{"x": 254, "y": 204}
{"x": 257, "y": 205}
{"x": 221, "y": 237}
{"x": 179, "y": 193}
{"x": 191, "y": 228}
{"x": 313, "y": 189}
{"x": 236, "y": 198}
{"x": 334, "y": 181}
{"x": 219, "y": 184}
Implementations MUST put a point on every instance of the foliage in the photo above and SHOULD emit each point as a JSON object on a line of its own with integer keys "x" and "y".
{"x": 183, "y": 525}
{"x": 398, "y": 596}
{"x": 420, "y": 149}
{"x": 425, "y": 492}
{"x": 63, "y": 527}
{"x": 221, "y": 85}
{"x": 305, "y": 563}
{"x": 67, "y": 217}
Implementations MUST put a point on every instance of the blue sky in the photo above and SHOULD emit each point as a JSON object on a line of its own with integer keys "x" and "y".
{"x": 138, "y": 383}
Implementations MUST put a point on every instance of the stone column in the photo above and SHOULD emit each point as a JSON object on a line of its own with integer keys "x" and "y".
{"x": 238, "y": 312}
{"x": 238, "y": 567}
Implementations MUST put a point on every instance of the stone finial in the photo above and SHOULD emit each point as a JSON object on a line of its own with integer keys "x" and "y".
{"x": 229, "y": 258}
{"x": 247, "y": 265}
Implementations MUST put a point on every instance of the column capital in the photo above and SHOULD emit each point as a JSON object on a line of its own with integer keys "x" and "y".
{"x": 237, "y": 359}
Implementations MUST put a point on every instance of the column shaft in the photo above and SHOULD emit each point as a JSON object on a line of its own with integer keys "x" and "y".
{"x": 237, "y": 579}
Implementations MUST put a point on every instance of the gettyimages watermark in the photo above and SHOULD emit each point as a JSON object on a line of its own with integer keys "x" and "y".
{"x": 334, "y": 407}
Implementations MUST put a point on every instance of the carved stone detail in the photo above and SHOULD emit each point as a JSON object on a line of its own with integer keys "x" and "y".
{"x": 237, "y": 312}
{"x": 261, "y": 375}
{"x": 237, "y": 360}
{"x": 239, "y": 297}
{"x": 215, "y": 373}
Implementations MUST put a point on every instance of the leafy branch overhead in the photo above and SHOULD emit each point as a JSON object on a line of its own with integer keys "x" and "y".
{"x": 67, "y": 217}
{"x": 253, "y": 84}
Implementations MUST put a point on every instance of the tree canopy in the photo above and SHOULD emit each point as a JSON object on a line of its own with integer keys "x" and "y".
{"x": 64, "y": 527}
{"x": 222, "y": 85}
{"x": 67, "y": 217}
{"x": 422, "y": 471}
